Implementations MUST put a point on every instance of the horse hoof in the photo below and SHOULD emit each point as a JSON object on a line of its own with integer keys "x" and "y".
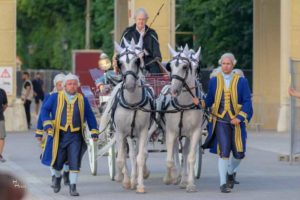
{"x": 191, "y": 188}
{"x": 140, "y": 190}
{"x": 147, "y": 174}
{"x": 126, "y": 185}
{"x": 119, "y": 177}
{"x": 133, "y": 186}
{"x": 183, "y": 185}
{"x": 167, "y": 180}
{"x": 176, "y": 181}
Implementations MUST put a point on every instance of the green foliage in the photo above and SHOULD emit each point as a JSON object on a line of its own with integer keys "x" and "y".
{"x": 49, "y": 30}
{"x": 219, "y": 26}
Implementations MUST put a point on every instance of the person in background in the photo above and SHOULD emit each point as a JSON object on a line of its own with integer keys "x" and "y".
{"x": 3, "y": 106}
{"x": 37, "y": 84}
{"x": 58, "y": 86}
{"x": 152, "y": 53}
{"x": 27, "y": 96}
{"x": 110, "y": 75}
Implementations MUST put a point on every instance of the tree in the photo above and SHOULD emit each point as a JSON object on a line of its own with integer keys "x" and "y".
{"x": 219, "y": 27}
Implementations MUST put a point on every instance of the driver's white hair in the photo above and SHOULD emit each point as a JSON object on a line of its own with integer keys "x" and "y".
{"x": 140, "y": 11}
{"x": 230, "y": 56}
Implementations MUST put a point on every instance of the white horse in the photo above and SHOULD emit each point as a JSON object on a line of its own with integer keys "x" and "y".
{"x": 130, "y": 122}
{"x": 186, "y": 122}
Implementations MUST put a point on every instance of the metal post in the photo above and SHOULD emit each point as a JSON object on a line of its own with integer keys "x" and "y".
{"x": 87, "y": 24}
{"x": 292, "y": 113}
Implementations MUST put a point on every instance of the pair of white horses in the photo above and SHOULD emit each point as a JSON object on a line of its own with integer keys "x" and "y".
{"x": 132, "y": 123}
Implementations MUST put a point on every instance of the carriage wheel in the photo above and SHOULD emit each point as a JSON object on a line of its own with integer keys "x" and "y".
{"x": 111, "y": 158}
{"x": 198, "y": 163}
{"x": 92, "y": 152}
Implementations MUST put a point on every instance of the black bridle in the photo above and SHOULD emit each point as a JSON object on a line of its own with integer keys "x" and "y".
{"x": 180, "y": 78}
{"x": 126, "y": 53}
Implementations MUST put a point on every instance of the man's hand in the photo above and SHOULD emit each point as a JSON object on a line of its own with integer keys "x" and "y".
{"x": 40, "y": 139}
{"x": 196, "y": 101}
{"x": 235, "y": 121}
{"x": 95, "y": 139}
{"x": 293, "y": 92}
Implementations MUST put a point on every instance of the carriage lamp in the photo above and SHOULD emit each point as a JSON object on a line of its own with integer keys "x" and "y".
{"x": 104, "y": 62}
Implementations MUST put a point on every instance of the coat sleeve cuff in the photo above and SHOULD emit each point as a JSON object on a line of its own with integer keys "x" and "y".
{"x": 47, "y": 125}
{"x": 242, "y": 116}
{"x": 39, "y": 132}
{"x": 94, "y": 132}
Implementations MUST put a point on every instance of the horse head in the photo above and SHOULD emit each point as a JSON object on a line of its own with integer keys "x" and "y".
{"x": 130, "y": 62}
{"x": 182, "y": 68}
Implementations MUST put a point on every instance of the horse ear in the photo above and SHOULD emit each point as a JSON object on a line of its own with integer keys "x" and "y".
{"x": 118, "y": 48}
{"x": 197, "y": 55}
{"x": 172, "y": 51}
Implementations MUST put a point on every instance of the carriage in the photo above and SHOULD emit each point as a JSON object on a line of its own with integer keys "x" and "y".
{"x": 105, "y": 146}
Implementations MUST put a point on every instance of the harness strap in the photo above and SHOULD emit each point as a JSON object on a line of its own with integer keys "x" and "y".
{"x": 180, "y": 124}
{"x": 133, "y": 124}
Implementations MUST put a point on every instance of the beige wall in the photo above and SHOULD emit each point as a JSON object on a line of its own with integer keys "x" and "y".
{"x": 120, "y": 18}
{"x": 266, "y": 55}
{"x": 8, "y": 37}
{"x": 164, "y": 23}
{"x": 276, "y": 40}
{"x": 295, "y": 29}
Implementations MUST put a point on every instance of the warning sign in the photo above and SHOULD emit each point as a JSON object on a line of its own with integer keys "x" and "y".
{"x": 6, "y": 79}
{"x": 5, "y": 74}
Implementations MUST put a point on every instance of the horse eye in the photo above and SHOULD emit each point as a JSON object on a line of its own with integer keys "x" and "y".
{"x": 184, "y": 67}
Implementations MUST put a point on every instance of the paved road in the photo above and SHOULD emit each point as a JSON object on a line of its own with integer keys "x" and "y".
{"x": 261, "y": 175}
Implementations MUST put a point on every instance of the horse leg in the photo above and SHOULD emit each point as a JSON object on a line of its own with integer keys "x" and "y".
{"x": 121, "y": 163}
{"x": 184, "y": 169}
{"x": 132, "y": 156}
{"x": 146, "y": 171}
{"x": 191, "y": 187}
{"x": 170, "y": 140}
{"x": 141, "y": 160}
{"x": 175, "y": 170}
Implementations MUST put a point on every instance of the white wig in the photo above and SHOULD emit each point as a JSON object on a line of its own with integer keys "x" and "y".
{"x": 141, "y": 11}
{"x": 71, "y": 76}
{"x": 58, "y": 77}
{"x": 230, "y": 56}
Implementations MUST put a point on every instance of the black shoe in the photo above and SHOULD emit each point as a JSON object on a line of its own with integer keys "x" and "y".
{"x": 235, "y": 181}
{"x": 57, "y": 185}
{"x": 2, "y": 159}
{"x": 225, "y": 189}
{"x": 230, "y": 181}
{"x": 66, "y": 178}
{"x": 73, "y": 191}
{"x": 53, "y": 181}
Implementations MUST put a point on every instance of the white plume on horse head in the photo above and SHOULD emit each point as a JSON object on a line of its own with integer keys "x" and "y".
{"x": 132, "y": 44}
{"x": 118, "y": 48}
{"x": 126, "y": 43}
{"x": 172, "y": 51}
{"x": 140, "y": 43}
{"x": 197, "y": 55}
{"x": 186, "y": 49}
